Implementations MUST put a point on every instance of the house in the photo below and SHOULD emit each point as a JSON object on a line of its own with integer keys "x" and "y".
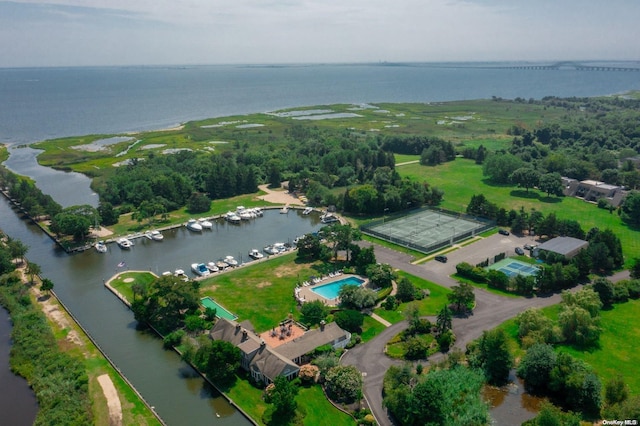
{"x": 565, "y": 246}
{"x": 592, "y": 190}
{"x": 265, "y": 363}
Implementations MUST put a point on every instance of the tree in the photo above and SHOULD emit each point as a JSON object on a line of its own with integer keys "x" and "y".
{"x": 550, "y": 415}
{"x": 349, "y": 320}
{"x": 526, "y": 177}
{"x": 536, "y": 328}
{"x": 108, "y": 215}
{"x": 46, "y": 286}
{"x": 406, "y": 291}
{"x": 605, "y": 291}
{"x": 499, "y": 167}
{"x": 578, "y": 326}
{"x": 615, "y": 390}
{"x": 198, "y": 203}
{"x": 631, "y": 208}
{"x": 344, "y": 383}
{"x": 551, "y": 183}
{"x": 356, "y": 297}
{"x": 412, "y": 315}
{"x": 635, "y": 268}
{"x": 536, "y": 366}
{"x": 33, "y": 269}
{"x": 444, "y": 320}
{"x": 313, "y": 312}
{"x": 282, "y": 395}
{"x": 415, "y": 348}
{"x": 381, "y": 275}
{"x": 462, "y": 297}
{"x": 491, "y": 354}
{"x": 219, "y": 360}
{"x": 75, "y": 221}
{"x": 17, "y": 249}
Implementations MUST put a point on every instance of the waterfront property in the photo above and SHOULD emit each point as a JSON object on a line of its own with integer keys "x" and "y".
{"x": 326, "y": 289}
{"x": 266, "y": 362}
{"x": 221, "y": 312}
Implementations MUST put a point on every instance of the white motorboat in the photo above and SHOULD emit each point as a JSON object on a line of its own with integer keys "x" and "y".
{"x": 229, "y": 260}
{"x": 101, "y": 247}
{"x": 270, "y": 250}
{"x": 124, "y": 243}
{"x": 211, "y": 266}
{"x": 193, "y": 225}
{"x": 148, "y": 235}
{"x": 232, "y": 217}
{"x": 157, "y": 235}
{"x": 307, "y": 211}
{"x": 200, "y": 269}
{"x": 205, "y": 224}
{"x": 255, "y": 254}
{"x": 258, "y": 211}
{"x": 178, "y": 273}
{"x": 222, "y": 265}
{"x": 245, "y": 215}
{"x": 284, "y": 210}
{"x": 328, "y": 218}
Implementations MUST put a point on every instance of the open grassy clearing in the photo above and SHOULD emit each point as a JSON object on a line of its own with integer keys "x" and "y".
{"x": 123, "y": 284}
{"x": 370, "y": 328}
{"x": 454, "y": 177}
{"x": 617, "y": 352}
{"x": 429, "y": 306}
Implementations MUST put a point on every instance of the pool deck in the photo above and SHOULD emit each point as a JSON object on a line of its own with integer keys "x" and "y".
{"x": 305, "y": 294}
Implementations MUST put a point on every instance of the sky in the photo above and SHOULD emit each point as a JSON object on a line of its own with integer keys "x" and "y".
{"x": 168, "y": 32}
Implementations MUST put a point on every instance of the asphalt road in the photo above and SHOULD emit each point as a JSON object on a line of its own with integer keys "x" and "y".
{"x": 490, "y": 311}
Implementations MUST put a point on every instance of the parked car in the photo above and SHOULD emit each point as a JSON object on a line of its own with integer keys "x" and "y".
{"x": 519, "y": 251}
{"x": 503, "y": 232}
{"x": 441, "y": 258}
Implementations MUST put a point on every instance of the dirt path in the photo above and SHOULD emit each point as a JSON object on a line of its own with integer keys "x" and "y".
{"x": 113, "y": 402}
{"x": 279, "y": 196}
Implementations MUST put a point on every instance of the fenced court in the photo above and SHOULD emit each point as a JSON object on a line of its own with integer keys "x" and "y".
{"x": 427, "y": 230}
{"x": 512, "y": 267}
{"x": 221, "y": 312}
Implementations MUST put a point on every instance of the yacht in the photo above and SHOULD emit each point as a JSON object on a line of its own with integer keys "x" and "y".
{"x": 255, "y": 254}
{"x": 194, "y": 226}
{"x": 222, "y": 265}
{"x": 307, "y": 211}
{"x": 205, "y": 224}
{"x": 200, "y": 269}
{"x": 101, "y": 247}
{"x": 179, "y": 273}
{"x": 232, "y": 217}
{"x": 270, "y": 250}
{"x": 245, "y": 215}
{"x": 211, "y": 266}
{"x": 258, "y": 211}
{"x": 328, "y": 218}
{"x": 157, "y": 235}
{"x": 229, "y": 260}
{"x": 124, "y": 243}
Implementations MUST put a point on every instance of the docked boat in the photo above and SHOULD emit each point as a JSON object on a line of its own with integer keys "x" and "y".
{"x": 307, "y": 211}
{"x": 284, "y": 210}
{"x": 258, "y": 211}
{"x": 179, "y": 273}
{"x": 255, "y": 254}
{"x": 222, "y": 265}
{"x": 101, "y": 247}
{"x": 280, "y": 247}
{"x": 329, "y": 218}
{"x": 232, "y": 217}
{"x": 213, "y": 267}
{"x": 229, "y": 260}
{"x": 246, "y": 215}
{"x": 124, "y": 243}
{"x": 157, "y": 235}
{"x": 270, "y": 250}
{"x": 205, "y": 224}
{"x": 193, "y": 225}
{"x": 200, "y": 269}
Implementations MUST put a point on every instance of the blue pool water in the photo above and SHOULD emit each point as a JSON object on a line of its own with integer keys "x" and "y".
{"x": 331, "y": 290}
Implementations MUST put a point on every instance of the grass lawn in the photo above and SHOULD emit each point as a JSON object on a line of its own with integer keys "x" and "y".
{"x": 453, "y": 178}
{"x": 370, "y": 329}
{"x": 311, "y": 400}
{"x": 486, "y": 287}
{"x": 124, "y": 282}
{"x": 261, "y": 293}
{"x": 428, "y": 306}
{"x": 618, "y": 352}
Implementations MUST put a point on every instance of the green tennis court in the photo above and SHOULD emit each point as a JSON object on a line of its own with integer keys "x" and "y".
{"x": 513, "y": 267}
{"x": 221, "y": 312}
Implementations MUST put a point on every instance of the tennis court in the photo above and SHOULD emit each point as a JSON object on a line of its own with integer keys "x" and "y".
{"x": 221, "y": 312}
{"x": 426, "y": 230}
{"x": 513, "y": 267}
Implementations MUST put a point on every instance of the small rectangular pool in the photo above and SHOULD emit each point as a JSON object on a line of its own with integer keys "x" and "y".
{"x": 331, "y": 290}
{"x": 221, "y": 312}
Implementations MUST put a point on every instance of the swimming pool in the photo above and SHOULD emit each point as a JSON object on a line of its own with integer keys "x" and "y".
{"x": 331, "y": 290}
{"x": 221, "y": 312}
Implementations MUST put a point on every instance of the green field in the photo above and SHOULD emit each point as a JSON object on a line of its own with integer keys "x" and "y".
{"x": 428, "y": 306}
{"x": 454, "y": 177}
{"x": 124, "y": 282}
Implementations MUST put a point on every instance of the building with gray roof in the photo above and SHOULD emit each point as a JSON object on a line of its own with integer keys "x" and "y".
{"x": 565, "y": 246}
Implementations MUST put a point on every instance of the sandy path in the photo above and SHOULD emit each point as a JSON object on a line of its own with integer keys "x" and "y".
{"x": 113, "y": 402}
{"x": 279, "y": 196}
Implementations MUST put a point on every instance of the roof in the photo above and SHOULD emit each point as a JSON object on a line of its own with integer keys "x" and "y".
{"x": 271, "y": 364}
{"x": 311, "y": 340}
{"x": 563, "y": 245}
{"x": 232, "y": 332}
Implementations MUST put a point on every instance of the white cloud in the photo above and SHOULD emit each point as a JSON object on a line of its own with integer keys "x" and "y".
{"x": 84, "y": 32}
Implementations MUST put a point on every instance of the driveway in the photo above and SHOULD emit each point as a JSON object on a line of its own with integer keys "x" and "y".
{"x": 491, "y": 310}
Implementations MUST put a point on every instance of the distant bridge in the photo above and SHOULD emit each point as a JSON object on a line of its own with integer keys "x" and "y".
{"x": 569, "y": 65}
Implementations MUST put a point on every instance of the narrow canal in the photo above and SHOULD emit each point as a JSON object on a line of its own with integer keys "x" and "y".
{"x": 178, "y": 394}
